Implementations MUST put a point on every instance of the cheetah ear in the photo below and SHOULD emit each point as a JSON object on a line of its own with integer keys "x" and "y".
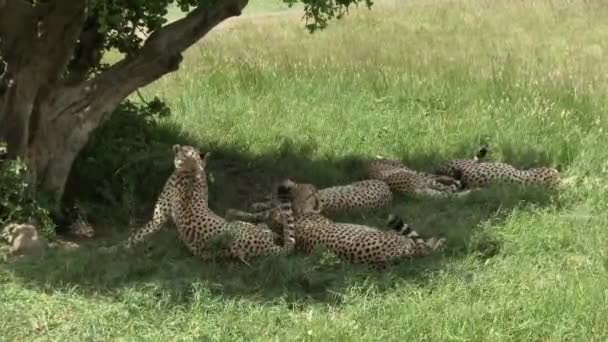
{"x": 176, "y": 148}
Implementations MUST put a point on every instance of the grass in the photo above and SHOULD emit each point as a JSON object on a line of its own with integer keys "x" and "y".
{"x": 421, "y": 81}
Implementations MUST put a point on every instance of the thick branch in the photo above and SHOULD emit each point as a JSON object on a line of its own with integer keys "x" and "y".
{"x": 181, "y": 34}
{"x": 37, "y": 45}
{"x": 15, "y": 15}
{"x": 160, "y": 54}
{"x": 88, "y": 51}
{"x": 77, "y": 110}
{"x": 58, "y": 36}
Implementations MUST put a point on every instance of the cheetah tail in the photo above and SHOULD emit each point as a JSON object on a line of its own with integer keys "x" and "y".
{"x": 396, "y": 223}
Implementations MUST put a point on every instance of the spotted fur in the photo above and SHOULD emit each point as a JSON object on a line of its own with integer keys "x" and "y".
{"x": 207, "y": 235}
{"x": 80, "y": 228}
{"x": 358, "y": 244}
{"x": 479, "y": 173}
{"x": 362, "y": 195}
{"x": 454, "y": 167}
{"x": 402, "y": 179}
{"x": 484, "y": 174}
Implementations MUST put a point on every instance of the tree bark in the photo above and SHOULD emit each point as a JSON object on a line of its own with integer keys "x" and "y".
{"x": 48, "y": 120}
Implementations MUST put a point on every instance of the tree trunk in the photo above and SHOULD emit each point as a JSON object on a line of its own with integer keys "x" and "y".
{"x": 47, "y": 120}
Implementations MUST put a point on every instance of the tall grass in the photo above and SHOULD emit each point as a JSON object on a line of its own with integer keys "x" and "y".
{"x": 418, "y": 80}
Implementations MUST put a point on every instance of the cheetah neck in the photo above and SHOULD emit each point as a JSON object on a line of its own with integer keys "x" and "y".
{"x": 193, "y": 187}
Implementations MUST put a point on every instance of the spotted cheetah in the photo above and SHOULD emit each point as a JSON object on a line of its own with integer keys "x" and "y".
{"x": 402, "y": 179}
{"x": 24, "y": 239}
{"x": 358, "y": 244}
{"x": 207, "y": 235}
{"x": 80, "y": 227}
{"x": 453, "y": 167}
{"x": 362, "y": 195}
{"x": 479, "y": 173}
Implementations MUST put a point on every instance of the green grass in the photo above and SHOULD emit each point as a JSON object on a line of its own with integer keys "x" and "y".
{"x": 422, "y": 81}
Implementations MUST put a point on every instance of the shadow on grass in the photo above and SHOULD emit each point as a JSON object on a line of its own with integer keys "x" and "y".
{"x": 236, "y": 179}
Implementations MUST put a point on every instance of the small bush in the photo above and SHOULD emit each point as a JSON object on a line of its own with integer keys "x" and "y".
{"x": 123, "y": 165}
{"x": 18, "y": 201}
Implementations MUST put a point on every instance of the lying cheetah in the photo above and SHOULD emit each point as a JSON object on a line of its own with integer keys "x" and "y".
{"x": 453, "y": 167}
{"x": 184, "y": 201}
{"x": 404, "y": 180}
{"x": 362, "y": 195}
{"x": 355, "y": 243}
{"x": 24, "y": 239}
{"x": 478, "y": 173}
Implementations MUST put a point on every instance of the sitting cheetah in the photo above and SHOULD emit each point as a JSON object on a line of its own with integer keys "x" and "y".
{"x": 362, "y": 195}
{"x": 404, "y": 180}
{"x": 358, "y": 244}
{"x": 184, "y": 201}
{"x": 478, "y": 173}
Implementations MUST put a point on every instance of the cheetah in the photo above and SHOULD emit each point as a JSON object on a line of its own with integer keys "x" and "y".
{"x": 479, "y": 173}
{"x": 355, "y": 243}
{"x": 402, "y": 179}
{"x": 183, "y": 200}
{"x": 80, "y": 227}
{"x": 453, "y": 167}
{"x": 361, "y": 195}
{"x": 24, "y": 239}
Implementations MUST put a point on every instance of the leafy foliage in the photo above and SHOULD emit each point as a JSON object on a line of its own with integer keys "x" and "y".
{"x": 123, "y": 25}
{"x": 124, "y": 151}
{"x": 319, "y": 12}
{"x": 18, "y": 202}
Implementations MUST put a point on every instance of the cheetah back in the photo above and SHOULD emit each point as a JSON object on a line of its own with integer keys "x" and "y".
{"x": 355, "y": 243}
{"x": 362, "y": 195}
{"x": 490, "y": 173}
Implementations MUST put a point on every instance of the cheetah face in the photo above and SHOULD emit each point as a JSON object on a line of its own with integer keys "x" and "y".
{"x": 305, "y": 197}
{"x": 189, "y": 159}
{"x": 12, "y": 231}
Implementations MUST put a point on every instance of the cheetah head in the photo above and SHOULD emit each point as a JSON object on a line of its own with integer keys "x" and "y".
{"x": 13, "y": 230}
{"x": 304, "y": 197}
{"x": 189, "y": 159}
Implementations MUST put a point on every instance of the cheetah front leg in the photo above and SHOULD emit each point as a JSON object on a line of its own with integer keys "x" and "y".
{"x": 162, "y": 214}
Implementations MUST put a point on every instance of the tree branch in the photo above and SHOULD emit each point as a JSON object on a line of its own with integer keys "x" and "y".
{"x": 78, "y": 110}
{"x": 160, "y": 54}
{"x": 88, "y": 51}
{"x": 181, "y": 34}
{"x": 38, "y": 42}
{"x": 58, "y": 35}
